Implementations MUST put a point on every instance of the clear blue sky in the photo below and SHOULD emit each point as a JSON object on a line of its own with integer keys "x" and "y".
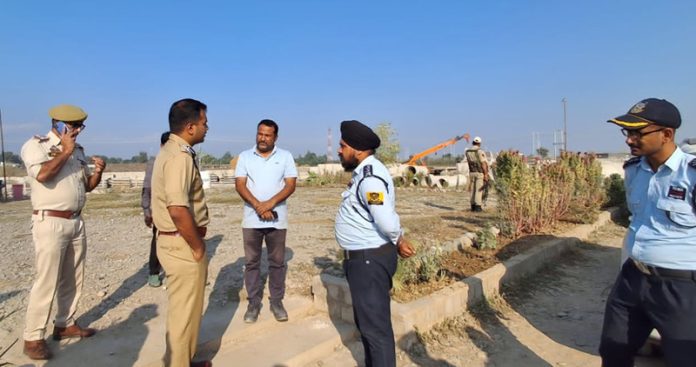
{"x": 433, "y": 69}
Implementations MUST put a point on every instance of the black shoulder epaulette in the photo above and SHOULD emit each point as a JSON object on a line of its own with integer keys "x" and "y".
{"x": 367, "y": 170}
{"x": 692, "y": 163}
{"x": 631, "y": 162}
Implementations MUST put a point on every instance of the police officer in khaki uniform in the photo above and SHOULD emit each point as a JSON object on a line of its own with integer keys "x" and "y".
{"x": 478, "y": 173}
{"x": 180, "y": 212}
{"x": 59, "y": 178}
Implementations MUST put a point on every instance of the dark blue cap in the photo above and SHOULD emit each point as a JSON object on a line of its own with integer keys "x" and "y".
{"x": 651, "y": 111}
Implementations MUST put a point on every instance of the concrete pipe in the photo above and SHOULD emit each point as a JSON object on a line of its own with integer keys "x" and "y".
{"x": 458, "y": 181}
{"x": 424, "y": 182}
{"x": 415, "y": 170}
{"x": 399, "y": 181}
{"x": 430, "y": 180}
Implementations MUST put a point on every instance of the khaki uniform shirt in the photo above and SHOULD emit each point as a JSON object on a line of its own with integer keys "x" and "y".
{"x": 65, "y": 191}
{"x": 475, "y": 156}
{"x": 176, "y": 181}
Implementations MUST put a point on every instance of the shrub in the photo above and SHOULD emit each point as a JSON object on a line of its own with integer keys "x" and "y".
{"x": 534, "y": 198}
{"x": 327, "y": 178}
{"x": 422, "y": 268}
{"x": 529, "y": 198}
{"x": 615, "y": 191}
{"x": 588, "y": 192}
{"x": 486, "y": 239}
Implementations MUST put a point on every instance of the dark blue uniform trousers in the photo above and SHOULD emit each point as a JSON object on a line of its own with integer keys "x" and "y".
{"x": 640, "y": 302}
{"x": 370, "y": 280}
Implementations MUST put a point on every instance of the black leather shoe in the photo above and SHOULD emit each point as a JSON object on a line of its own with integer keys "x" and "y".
{"x": 252, "y": 313}
{"x": 279, "y": 311}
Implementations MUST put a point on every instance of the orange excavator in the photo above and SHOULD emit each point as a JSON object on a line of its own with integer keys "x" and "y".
{"x": 417, "y": 158}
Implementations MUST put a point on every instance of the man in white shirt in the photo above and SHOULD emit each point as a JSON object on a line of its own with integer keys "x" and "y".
{"x": 264, "y": 178}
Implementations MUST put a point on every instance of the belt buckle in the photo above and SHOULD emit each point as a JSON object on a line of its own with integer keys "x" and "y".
{"x": 642, "y": 267}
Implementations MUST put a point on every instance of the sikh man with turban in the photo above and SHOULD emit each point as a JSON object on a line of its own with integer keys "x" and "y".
{"x": 369, "y": 233}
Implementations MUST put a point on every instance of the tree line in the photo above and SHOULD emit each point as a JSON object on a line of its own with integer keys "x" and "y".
{"x": 307, "y": 159}
{"x": 387, "y": 152}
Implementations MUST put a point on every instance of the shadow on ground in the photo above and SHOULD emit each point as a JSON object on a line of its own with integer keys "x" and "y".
{"x": 350, "y": 340}
{"x": 131, "y": 285}
{"x": 225, "y": 301}
{"x": 128, "y": 338}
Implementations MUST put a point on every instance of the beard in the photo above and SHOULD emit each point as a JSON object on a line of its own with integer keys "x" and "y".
{"x": 349, "y": 164}
{"x": 264, "y": 148}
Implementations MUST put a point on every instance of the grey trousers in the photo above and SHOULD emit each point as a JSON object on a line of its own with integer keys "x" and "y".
{"x": 253, "y": 246}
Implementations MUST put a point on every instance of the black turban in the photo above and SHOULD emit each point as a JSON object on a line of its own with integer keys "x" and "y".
{"x": 359, "y": 136}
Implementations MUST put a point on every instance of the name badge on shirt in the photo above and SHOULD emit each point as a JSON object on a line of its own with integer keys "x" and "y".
{"x": 677, "y": 193}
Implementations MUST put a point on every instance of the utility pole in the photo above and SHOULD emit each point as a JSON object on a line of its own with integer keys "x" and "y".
{"x": 329, "y": 150}
{"x": 565, "y": 125}
{"x": 2, "y": 148}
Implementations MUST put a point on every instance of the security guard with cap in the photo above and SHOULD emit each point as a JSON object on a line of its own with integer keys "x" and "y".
{"x": 656, "y": 287}
{"x": 478, "y": 174}
{"x": 59, "y": 178}
{"x": 369, "y": 232}
{"x": 180, "y": 213}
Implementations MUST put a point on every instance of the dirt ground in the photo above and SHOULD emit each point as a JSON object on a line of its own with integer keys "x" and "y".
{"x": 118, "y": 247}
{"x": 553, "y": 318}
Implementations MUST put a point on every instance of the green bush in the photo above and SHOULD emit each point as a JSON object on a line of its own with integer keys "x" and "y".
{"x": 326, "y": 179}
{"x": 533, "y": 198}
{"x": 486, "y": 239}
{"x": 615, "y": 191}
{"x": 422, "y": 268}
{"x": 588, "y": 192}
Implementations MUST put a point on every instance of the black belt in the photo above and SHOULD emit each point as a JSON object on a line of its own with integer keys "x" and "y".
{"x": 361, "y": 254}
{"x": 663, "y": 272}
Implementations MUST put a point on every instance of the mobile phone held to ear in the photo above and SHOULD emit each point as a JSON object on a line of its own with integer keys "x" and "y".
{"x": 60, "y": 127}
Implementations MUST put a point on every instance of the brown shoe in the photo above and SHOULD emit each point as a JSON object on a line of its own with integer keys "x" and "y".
{"x": 72, "y": 331}
{"x": 37, "y": 349}
{"x": 202, "y": 364}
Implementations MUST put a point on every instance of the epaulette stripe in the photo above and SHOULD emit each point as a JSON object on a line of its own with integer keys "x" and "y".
{"x": 692, "y": 163}
{"x": 367, "y": 170}
{"x": 631, "y": 162}
{"x": 41, "y": 138}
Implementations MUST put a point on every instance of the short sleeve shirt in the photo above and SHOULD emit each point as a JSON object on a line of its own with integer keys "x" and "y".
{"x": 65, "y": 191}
{"x": 367, "y": 215}
{"x": 663, "y": 221}
{"x": 265, "y": 178}
{"x": 176, "y": 181}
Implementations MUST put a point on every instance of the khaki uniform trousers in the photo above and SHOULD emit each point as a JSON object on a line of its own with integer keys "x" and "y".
{"x": 476, "y": 185}
{"x": 185, "y": 288}
{"x": 60, "y": 246}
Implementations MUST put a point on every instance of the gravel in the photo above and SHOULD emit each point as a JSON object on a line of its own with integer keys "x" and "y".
{"x": 118, "y": 248}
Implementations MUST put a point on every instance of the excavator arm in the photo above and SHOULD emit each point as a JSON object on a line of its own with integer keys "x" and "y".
{"x": 417, "y": 158}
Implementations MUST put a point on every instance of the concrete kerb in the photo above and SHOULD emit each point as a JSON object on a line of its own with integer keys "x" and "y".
{"x": 332, "y": 296}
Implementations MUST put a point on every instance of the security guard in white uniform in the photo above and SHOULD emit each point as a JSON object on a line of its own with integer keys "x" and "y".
{"x": 59, "y": 178}
{"x": 369, "y": 232}
{"x": 656, "y": 287}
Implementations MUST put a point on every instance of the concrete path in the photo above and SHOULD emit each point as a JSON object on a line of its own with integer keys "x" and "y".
{"x": 139, "y": 340}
